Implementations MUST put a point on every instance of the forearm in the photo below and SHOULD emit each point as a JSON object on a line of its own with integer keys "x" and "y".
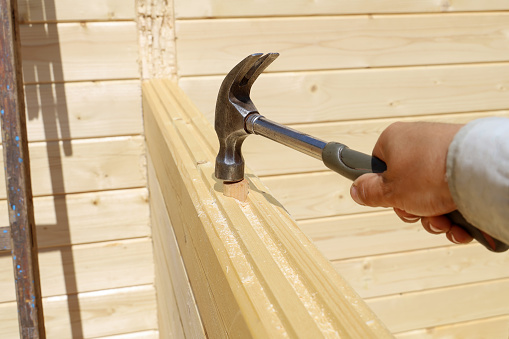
{"x": 478, "y": 175}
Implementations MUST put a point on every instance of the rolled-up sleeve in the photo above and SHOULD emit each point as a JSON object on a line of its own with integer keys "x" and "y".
{"x": 478, "y": 175}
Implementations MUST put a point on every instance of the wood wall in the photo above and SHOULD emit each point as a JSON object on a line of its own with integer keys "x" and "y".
{"x": 348, "y": 69}
{"x": 81, "y": 72}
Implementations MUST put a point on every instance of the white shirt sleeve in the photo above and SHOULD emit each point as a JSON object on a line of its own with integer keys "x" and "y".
{"x": 478, "y": 175}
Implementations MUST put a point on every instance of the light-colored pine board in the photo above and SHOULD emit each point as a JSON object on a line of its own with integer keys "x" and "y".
{"x": 307, "y": 97}
{"x": 153, "y": 334}
{"x": 256, "y": 235}
{"x": 168, "y": 313}
{"x": 424, "y": 269}
{"x": 102, "y": 313}
{"x": 83, "y": 110}
{"x": 177, "y": 311}
{"x": 210, "y": 307}
{"x": 267, "y": 157}
{"x": 89, "y": 165}
{"x": 491, "y": 328}
{"x": 69, "y": 10}
{"x": 430, "y": 308}
{"x": 368, "y": 234}
{"x": 225, "y": 8}
{"x": 318, "y": 43}
{"x": 156, "y": 26}
{"x": 79, "y": 51}
{"x": 315, "y": 195}
{"x": 88, "y": 217}
{"x": 85, "y": 268}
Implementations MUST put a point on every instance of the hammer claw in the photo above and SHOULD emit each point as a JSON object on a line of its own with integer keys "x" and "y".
{"x": 261, "y": 64}
{"x": 232, "y": 106}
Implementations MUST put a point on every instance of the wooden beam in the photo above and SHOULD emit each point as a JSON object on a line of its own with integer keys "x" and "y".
{"x": 79, "y": 51}
{"x": 100, "y": 313}
{"x": 340, "y": 42}
{"x": 58, "y": 111}
{"x": 177, "y": 311}
{"x": 93, "y": 165}
{"x": 338, "y": 95}
{"x": 253, "y": 272}
{"x": 23, "y": 247}
{"x": 442, "y": 306}
{"x": 70, "y": 10}
{"x": 185, "y": 9}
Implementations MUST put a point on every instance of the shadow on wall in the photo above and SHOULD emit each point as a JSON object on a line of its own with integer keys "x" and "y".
{"x": 45, "y": 99}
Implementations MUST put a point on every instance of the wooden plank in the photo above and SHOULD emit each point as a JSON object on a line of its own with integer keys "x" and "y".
{"x": 156, "y": 26}
{"x": 60, "y": 111}
{"x": 93, "y": 164}
{"x": 102, "y": 313}
{"x": 315, "y": 195}
{"x": 307, "y": 97}
{"x": 17, "y": 176}
{"x": 79, "y": 51}
{"x": 69, "y": 10}
{"x": 153, "y": 334}
{"x": 420, "y": 270}
{"x": 177, "y": 311}
{"x": 430, "y": 308}
{"x": 323, "y": 43}
{"x": 90, "y": 267}
{"x": 269, "y": 158}
{"x": 491, "y": 328}
{"x": 89, "y": 217}
{"x": 285, "y": 272}
{"x": 224, "y": 8}
{"x": 367, "y": 234}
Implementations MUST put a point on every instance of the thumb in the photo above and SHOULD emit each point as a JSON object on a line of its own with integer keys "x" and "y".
{"x": 370, "y": 190}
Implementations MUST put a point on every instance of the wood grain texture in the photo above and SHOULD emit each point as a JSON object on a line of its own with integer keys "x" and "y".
{"x": 89, "y": 217}
{"x": 102, "y": 313}
{"x": 156, "y": 26}
{"x": 267, "y": 157}
{"x": 79, "y": 51}
{"x": 367, "y": 234}
{"x": 429, "y": 268}
{"x": 442, "y": 306}
{"x": 251, "y": 8}
{"x": 311, "y": 43}
{"x": 151, "y": 334}
{"x": 259, "y": 227}
{"x": 326, "y": 194}
{"x": 92, "y": 165}
{"x": 69, "y": 10}
{"x": 310, "y": 97}
{"x": 177, "y": 311}
{"x": 93, "y": 267}
{"x": 83, "y": 110}
{"x": 491, "y": 328}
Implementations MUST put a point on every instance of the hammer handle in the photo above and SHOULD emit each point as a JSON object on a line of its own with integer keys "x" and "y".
{"x": 352, "y": 164}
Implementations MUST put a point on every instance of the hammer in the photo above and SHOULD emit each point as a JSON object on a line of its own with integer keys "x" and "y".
{"x": 236, "y": 117}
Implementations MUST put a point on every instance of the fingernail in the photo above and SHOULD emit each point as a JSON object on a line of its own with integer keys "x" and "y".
{"x": 434, "y": 229}
{"x": 453, "y": 239}
{"x": 354, "y": 192}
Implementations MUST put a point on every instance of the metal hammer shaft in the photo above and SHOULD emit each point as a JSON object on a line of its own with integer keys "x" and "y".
{"x": 336, "y": 156}
{"x": 257, "y": 124}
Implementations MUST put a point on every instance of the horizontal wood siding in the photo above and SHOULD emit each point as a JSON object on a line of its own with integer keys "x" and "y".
{"x": 253, "y": 8}
{"x": 347, "y": 70}
{"x": 87, "y": 151}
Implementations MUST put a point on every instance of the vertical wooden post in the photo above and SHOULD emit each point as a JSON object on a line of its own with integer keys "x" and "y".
{"x": 17, "y": 177}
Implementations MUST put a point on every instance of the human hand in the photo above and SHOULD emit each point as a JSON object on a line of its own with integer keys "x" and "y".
{"x": 415, "y": 182}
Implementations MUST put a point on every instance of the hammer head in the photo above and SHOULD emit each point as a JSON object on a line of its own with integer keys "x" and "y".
{"x": 232, "y": 107}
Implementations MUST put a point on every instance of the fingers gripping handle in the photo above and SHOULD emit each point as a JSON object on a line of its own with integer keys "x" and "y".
{"x": 487, "y": 241}
{"x": 352, "y": 164}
